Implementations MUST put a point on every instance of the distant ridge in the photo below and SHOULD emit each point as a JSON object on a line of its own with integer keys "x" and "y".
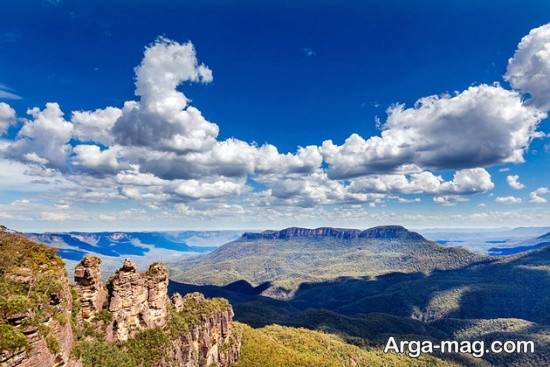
{"x": 293, "y": 256}
{"x": 380, "y": 232}
{"x": 534, "y": 244}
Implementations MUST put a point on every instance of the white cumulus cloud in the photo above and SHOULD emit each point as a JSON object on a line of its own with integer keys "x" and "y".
{"x": 160, "y": 149}
{"x": 7, "y": 117}
{"x": 537, "y": 196}
{"x": 95, "y": 126}
{"x": 468, "y": 181}
{"x": 44, "y": 139}
{"x": 513, "y": 182}
{"x": 93, "y": 159}
{"x": 529, "y": 68}
{"x": 481, "y": 126}
{"x": 194, "y": 189}
{"x": 162, "y": 118}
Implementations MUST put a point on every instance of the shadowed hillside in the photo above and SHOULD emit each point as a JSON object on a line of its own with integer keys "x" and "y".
{"x": 497, "y": 299}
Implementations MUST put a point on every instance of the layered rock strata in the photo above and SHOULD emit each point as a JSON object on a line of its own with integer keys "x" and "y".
{"x": 136, "y": 302}
{"x": 91, "y": 292}
{"x": 43, "y": 323}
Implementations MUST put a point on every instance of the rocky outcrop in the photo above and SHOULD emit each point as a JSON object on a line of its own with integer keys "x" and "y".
{"x": 212, "y": 342}
{"x": 89, "y": 288}
{"x": 381, "y": 232}
{"x": 137, "y": 301}
{"x": 41, "y": 350}
{"x": 40, "y": 327}
{"x": 35, "y": 312}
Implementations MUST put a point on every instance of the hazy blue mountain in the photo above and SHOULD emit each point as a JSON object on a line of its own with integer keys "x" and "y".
{"x": 142, "y": 247}
{"x": 482, "y": 240}
{"x": 529, "y": 245}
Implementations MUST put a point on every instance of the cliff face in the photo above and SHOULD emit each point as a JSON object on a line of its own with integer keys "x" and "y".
{"x": 35, "y": 304}
{"x": 137, "y": 301}
{"x": 212, "y": 341}
{"x": 130, "y": 321}
{"x": 382, "y": 232}
{"x": 194, "y": 331}
{"x": 91, "y": 292}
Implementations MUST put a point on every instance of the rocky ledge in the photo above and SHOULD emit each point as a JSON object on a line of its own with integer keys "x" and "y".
{"x": 129, "y": 321}
{"x": 381, "y": 232}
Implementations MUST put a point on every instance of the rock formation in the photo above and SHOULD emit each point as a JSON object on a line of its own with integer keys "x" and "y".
{"x": 212, "y": 341}
{"x": 90, "y": 290}
{"x": 137, "y": 301}
{"x": 41, "y": 328}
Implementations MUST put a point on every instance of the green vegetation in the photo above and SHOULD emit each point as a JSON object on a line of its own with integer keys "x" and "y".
{"x": 328, "y": 321}
{"x": 288, "y": 263}
{"x": 148, "y": 347}
{"x": 102, "y": 354}
{"x": 53, "y": 344}
{"x": 505, "y": 298}
{"x": 12, "y": 338}
{"x": 193, "y": 311}
{"x": 278, "y": 346}
{"x": 32, "y": 281}
{"x": 104, "y": 315}
{"x": 19, "y": 253}
{"x": 145, "y": 350}
{"x": 75, "y": 310}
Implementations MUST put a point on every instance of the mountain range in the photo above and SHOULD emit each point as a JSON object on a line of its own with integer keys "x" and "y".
{"x": 385, "y": 281}
{"x": 142, "y": 247}
{"x": 484, "y": 240}
{"x": 295, "y": 256}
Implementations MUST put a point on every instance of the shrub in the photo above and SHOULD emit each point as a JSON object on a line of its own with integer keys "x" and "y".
{"x": 12, "y": 338}
{"x": 99, "y": 353}
{"x": 53, "y": 344}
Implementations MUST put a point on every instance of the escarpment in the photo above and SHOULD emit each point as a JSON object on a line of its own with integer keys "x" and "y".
{"x": 129, "y": 321}
{"x": 35, "y": 304}
{"x": 381, "y": 232}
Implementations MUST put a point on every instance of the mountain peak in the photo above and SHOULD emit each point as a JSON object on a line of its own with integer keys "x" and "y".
{"x": 380, "y": 232}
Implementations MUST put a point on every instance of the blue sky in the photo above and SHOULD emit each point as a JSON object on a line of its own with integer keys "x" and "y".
{"x": 288, "y": 74}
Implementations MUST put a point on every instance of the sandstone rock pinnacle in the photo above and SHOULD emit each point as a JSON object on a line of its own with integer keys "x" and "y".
{"x": 88, "y": 286}
{"x": 138, "y": 301}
